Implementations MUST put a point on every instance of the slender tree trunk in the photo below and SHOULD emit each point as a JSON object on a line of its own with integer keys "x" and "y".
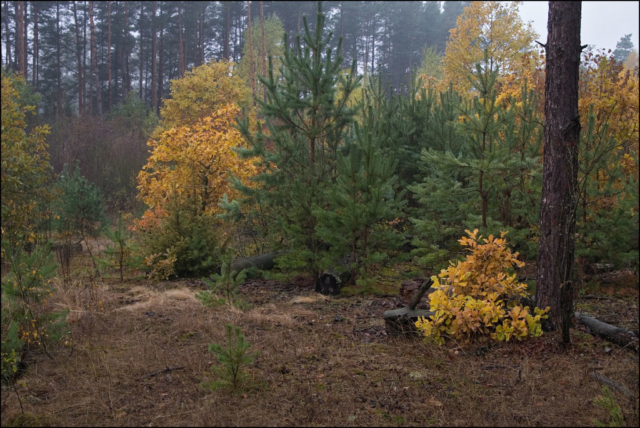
{"x": 560, "y": 171}
{"x": 94, "y": 62}
{"x": 141, "y": 47}
{"x": 109, "y": 51}
{"x": 225, "y": 54}
{"x": 87, "y": 98}
{"x": 79, "y": 60}
{"x": 180, "y": 44}
{"x": 59, "y": 55}
{"x": 34, "y": 4}
{"x": 154, "y": 65}
{"x": 342, "y": 28}
{"x": 160, "y": 69}
{"x": 25, "y": 20}
{"x": 126, "y": 75}
{"x": 366, "y": 55}
{"x": 202, "y": 17}
{"x": 264, "y": 54}
{"x": 373, "y": 44}
{"x": 20, "y": 53}
{"x": 8, "y": 59}
{"x": 250, "y": 41}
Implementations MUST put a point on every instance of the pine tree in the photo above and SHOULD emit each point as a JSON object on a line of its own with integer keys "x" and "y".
{"x": 362, "y": 202}
{"x": 306, "y": 122}
{"x": 488, "y": 177}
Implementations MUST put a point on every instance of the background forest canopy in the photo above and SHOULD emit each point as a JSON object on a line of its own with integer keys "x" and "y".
{"x": 440, "y": 130}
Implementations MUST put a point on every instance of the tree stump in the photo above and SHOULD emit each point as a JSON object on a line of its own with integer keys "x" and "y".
{"x": 401, "y": 322}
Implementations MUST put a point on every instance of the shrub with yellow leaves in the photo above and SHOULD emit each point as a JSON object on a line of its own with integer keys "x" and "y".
{"x": 478, "y": 297}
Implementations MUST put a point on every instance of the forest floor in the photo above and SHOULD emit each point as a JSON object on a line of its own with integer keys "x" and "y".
{"x": 322, "y": 361}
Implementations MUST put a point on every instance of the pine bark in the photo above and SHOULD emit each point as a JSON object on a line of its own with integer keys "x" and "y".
{"x": 94, "y": 62}
{"x": 20, "y": 51}
{"x": 180, "y": 45}
{"x": 35, "y": 45}
{"x": 225, "y": 54}
{"x": 8, "y": 60}
{"x": 141, "y": 68}
{"x": 250, "y": 41}
{"x": 79, "y": 61}
{"x": 154, "y": 65}
{"x": 59, "y": 58}
{"x": 109, "y": 51}
{"x": 160, "y": 68}
{"x": 124, "y": 64}
{"x": 264, "y": 53}
{"x": 560, "y": 171}
{"x": 202, "y": 17}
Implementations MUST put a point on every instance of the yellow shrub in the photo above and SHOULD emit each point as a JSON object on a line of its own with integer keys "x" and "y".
{"x": 479, "y": 298}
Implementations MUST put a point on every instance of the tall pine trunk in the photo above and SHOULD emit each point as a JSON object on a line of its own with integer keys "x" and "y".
{"x": 109, "y": 51}
{"x": 160, "y": 69}
{"x": 180, "y": 44}
{"x": 154, "y": 65}
{"x": 94, "y": 62}
{"x": 59, "y": 58}
{"x": 8, "y": 60}
{"x": 264, "y": 53}
{"x": 124, "y": 53}
{"x": 225, "y": 54}
{"x": 20, "y": 51}
{"x": 79, "y": 61}
{"x": 35, "y": 45}
{"x": 202, "y": 16}
{"x": 250, "y": 41}
{"x": 560, "y": 171}
{"x": 141, "y": 67}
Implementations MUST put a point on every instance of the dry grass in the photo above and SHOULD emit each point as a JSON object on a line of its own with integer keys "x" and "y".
{"x": 322, "y": 362}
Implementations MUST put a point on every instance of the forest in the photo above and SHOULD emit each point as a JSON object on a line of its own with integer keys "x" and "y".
{"x": 316, "y": 213}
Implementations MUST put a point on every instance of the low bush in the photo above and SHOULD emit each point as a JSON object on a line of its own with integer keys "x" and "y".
{"x": 179, "y": 242}
{"x": 479, "y": 297}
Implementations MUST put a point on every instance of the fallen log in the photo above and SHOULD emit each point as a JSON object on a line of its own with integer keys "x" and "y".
{"x": 262, "y": 262}
{"x": 613, "y": 334}
{"x": 612, "y": 384}
{"x": 401, "y": 322}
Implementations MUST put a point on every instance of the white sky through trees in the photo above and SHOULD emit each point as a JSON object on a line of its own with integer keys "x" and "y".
{"x": 603, "y": 23}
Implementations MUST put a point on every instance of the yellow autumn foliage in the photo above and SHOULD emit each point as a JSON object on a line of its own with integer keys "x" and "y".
{"x": 497, "y": 27}
{"x": 192, "y": 163}
{"x": 200, "y": 93}
{"x": 477, "y": 297}
{"x": 25, "y": 164}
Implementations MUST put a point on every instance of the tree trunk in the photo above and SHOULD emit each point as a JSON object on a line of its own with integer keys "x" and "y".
{"x": 202, "y": 17}
{"x": 154, "y": 65}
{"x": 180, "y": 45}
{"x": 25, "y": 28}
{"x": 264, "y": 54}
{"x": 250, "y": 41}
{"x": 342, "y": 29}
{"x": 141, "y": 48}
{"x": 79, "y": 60}
{"x": 109, "y": 50}
{"x": 8, "y": 60}
{"x": 160, "y": 69}
{"x": 94, "y": 61}
{"x": 124, "y": 63}
{"x": 560, "y": 171}
{"x": 225, "y": 54}
{"x": 20, "y": 53}
{"x": 34, "y": 4}
{"x": 59, "y": 55}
